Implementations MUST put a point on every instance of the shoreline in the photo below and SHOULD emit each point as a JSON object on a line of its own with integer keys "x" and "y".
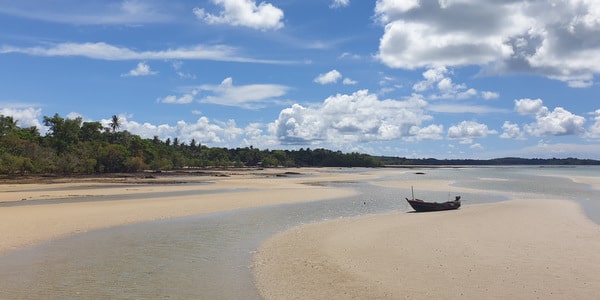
{"x": 516, "y": 249}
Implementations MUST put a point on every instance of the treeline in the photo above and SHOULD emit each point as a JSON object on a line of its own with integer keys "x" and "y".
{"x": 399, "y": 161}
{"x": 75, "y": 147}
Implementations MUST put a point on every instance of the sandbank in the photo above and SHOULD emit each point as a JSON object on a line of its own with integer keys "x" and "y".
{"x": 42, "y": 214}
{"x": 517, "y": 249}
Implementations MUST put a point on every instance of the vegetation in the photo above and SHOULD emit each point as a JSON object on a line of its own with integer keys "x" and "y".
{"x": 75, "y": 147}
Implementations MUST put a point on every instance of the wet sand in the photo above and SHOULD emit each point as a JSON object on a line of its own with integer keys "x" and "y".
{"x": 518, "y": 249}
{"x": 62, "y": 207}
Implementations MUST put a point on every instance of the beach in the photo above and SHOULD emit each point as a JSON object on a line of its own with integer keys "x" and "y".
{"x": 44, "y": 211}
{"x": 518, "y": 249}
{"x": 523, "y": 248}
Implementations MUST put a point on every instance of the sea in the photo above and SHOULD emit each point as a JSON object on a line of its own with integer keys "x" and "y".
{"x": 210, "y": 256}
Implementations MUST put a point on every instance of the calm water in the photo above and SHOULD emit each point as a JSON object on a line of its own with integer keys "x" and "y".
{"x": 210, "y": 257}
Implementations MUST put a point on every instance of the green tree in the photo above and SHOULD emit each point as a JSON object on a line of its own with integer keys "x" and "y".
{"x": 90, "y": 131}
{"x": 63, "y": 132}
{"x": 112, "y": 158}
{"x": 115, "y": 123}
{"x": 12, "y": 164}
{"x": 7, "y": 125}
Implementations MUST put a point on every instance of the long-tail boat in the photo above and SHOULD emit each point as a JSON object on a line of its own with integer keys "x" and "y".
{"x": 423, "y": 206}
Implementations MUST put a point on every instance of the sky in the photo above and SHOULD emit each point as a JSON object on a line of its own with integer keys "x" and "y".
{"x": 410, "y": 78}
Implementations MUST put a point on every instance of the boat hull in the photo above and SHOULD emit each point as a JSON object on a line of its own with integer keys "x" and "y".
{"x": 423, "y": 206}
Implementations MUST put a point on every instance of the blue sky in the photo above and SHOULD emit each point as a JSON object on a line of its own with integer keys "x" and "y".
{"x": 413, "y": 78}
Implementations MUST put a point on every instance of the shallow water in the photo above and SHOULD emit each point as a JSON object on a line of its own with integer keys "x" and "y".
{"x": 210, "y": 256}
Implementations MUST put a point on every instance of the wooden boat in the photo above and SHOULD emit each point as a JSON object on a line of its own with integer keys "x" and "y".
{"x": 422, "y": 206}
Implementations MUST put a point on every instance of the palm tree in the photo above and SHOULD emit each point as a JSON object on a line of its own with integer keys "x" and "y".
{"x": 115, "y": 123}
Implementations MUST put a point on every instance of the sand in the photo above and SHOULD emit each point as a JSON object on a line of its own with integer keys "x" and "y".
{"x": 34, "y": 221}
{"x": 518, "y": 249}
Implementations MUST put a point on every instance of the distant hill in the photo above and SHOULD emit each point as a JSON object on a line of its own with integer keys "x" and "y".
{"x": 400, "y": 161}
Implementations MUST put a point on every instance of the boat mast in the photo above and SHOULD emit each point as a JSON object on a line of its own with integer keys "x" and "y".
{"x": 412, "y": 192}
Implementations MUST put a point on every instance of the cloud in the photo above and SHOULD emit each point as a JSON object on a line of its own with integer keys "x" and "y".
{"x": 385, "y": 9}
{"x": 512, "y": 131}
{"x": 142, "y": 69}
{"x": 333, "y": 76}
{"x": 348, "y": 81}
{"x": 330, "y": 77}
{"x": 431, "y": 132}
{"x": 487, "y": 95}
{"x": 91, "y": 12}
{"x": 528, "y": 106}
{"x": 25, "y": 116}
{"x": 351, "y": 56}
{"x": 246, "y": 96}
{"x": 183, "y": 99}
{"x": 203, "y": 130}
{"x": 244, "y": 13}
{"x": 476, "y": 146}
{"x": 558, "y": 40}
{"x": 104, "y": 51}
{"x": 438, "y": 80}
{"x": 355, "y": 118}
{"x": 177, "y": 65}
{"x": 594, "y": 130}
{"x": 339, "y": 3}
{"x": 251, "y": 96}
{"x": 466, "y": 131}
{"x": 464, "y": 108}
{"x": 388, "y": 84}
{"x": 556, "y": 122}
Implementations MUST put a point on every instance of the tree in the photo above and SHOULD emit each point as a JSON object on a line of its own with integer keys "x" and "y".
{"x": 113, "y": 158}
{"x": 90, "y": 131}
{"x": 115, "y": 123}
{"x": 7, "y": 125}
{"x": 10, "y": 164}
{"x": 63, "y": 132}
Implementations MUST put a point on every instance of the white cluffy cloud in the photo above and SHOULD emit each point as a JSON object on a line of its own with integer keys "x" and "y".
{"x": 555, "y": 39}
{"x": 438, "y": 80}
{"x": 203, "y": 130}
{"x": 467, "y": 131}
{"x": 142, "y": 69}
{"x": 333, "y": 76}
{"x": 512, "y": 131}
{"x": 330, "y": 77}
{"x": 354, "y": 118}
{"x": 244, "y": 13}
{"x": 249, "y": 96}
{"x": 25, "y": 116}
{"x": 547, "y": 123}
